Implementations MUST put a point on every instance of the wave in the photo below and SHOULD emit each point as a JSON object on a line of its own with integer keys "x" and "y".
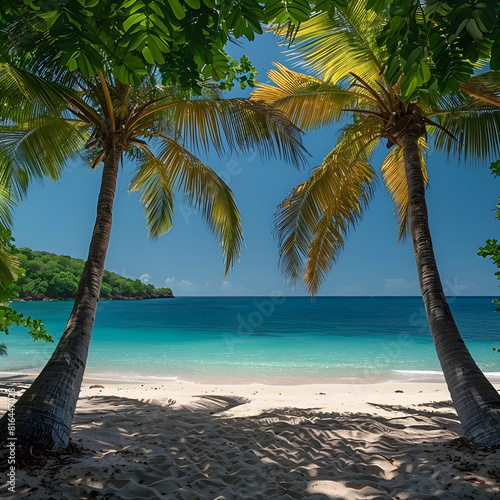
{"x": 438, "y": 372}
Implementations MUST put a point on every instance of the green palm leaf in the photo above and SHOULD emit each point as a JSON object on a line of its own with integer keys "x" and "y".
{"x": 21, "y": 87}
{"x": 308, "y": 102}
{"x": 32, "y": 153}
{"x": 8, "y": 201}
{"x": 9, "y": 267}
{"x": 485, "y": 86}
{"x": 475, "y": 124}
{"x": 333, "y": 45}
{"x": 229, "y": 124}
{"x": 155, "y": 195}
{"x": 394, "y": 176}
{"x": 313, "y": 221}
{"x": 203, "y": 189}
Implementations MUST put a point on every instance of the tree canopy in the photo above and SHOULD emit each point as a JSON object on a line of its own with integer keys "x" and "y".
{"x": 437, "y": 45}
{"x": 180, "y": 40}
{"x": 56, "y": 277}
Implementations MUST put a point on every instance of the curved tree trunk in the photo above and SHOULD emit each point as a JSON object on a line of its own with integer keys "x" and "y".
{"x": 44, "y": 414}
{"x": 475, "y": 399}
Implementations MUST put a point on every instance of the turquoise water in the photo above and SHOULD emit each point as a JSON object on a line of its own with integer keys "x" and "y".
{"x": 262, "y": 340}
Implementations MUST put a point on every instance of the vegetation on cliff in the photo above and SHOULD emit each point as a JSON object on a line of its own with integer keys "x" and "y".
{"x": 51, "y": 276}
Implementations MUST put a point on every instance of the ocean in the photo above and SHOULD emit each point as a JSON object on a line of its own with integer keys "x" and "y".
{"x": 261, "y": 340}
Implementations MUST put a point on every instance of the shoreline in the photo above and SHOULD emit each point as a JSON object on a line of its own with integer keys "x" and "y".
{"x": 135, "y": 379}
{"x": 392, "y": 377}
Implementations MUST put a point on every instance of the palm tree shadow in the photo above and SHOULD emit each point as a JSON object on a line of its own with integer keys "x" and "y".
{"x": 159, "y": 449}
{"x": 448, "y": 420}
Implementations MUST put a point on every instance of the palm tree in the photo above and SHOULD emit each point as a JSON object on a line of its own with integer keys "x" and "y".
{"x": 51, "y": 118}
{"x": 314, "y": 220}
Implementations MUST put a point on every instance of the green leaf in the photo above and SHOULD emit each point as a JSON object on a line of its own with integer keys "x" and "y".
{"x": 299, "y": 10}
{"x": 165, "y": 30}
{"x": 177, "y": 9}
{"x": 155, "y": 52}
{"x": 423, "y": 73}
{"x": 146, "y": 52}
{"x": 396, "y": 23}
{"x": 408, "y": 85}
{"x": 85, "y": 65}
{"x": 133, "y": 20}
{"x": 474, "y": 30}
{"x": 414, "y": 56}
{"x": 129, "y": 3}
{"x": 50, "y": 17}
{"x": 72, "y": 63}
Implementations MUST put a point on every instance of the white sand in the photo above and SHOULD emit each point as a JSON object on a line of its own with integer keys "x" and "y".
{"x": 235, "y": 442}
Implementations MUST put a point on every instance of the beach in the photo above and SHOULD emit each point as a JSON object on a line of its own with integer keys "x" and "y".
{"x": 178, "y": 440}
{"x": 216, "y": 400}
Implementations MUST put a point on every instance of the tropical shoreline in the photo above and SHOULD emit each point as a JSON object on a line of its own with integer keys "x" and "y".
{"x": 220, "y": 379}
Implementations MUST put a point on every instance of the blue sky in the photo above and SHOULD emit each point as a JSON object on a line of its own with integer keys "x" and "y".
{"x": 58, "y": 217}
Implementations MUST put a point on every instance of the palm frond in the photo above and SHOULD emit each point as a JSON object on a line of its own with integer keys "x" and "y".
{"x": 325, "y": 248}
{"x": 308, "y": 102}
{"x": 9, "y": 267}
{"x": 476, "y": 125}
{"x": 203, "y": 189}
{"x": 155, "y": 195}
{"x": 484, "y": 86}
{"x": 238, "y": 124}
{"x": 333, "y": 45}
{"x": 28, "y": 98}
{"x": 17, "y": 84}
{"x": 8, "y": 201}
{"x": 394, "y": 177}
{"x": 312, "y": 223}
{"x": 28, "y": 153}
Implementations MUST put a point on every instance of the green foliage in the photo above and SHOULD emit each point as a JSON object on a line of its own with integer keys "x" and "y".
{"x": 243, "y": 71}
{"x": 9, "y": 289}
{"x": 183, "y": 39}
{"x": 35, "y": 327}
{"x": 492, "y": 248}
{"x": 57, "y": 277}
{"x": 437, "y": 44}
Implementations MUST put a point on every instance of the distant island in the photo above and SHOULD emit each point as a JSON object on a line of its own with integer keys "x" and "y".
{"x": 55, "y": 277}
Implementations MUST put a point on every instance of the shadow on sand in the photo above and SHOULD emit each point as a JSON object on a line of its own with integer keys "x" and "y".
{"x": 146, "y": 449}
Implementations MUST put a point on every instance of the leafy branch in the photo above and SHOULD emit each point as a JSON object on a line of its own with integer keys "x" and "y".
{"x": 10, "y": 290}
{"x": 492, "y": 248}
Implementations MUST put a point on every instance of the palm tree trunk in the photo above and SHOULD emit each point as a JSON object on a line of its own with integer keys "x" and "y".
{"x": 475, "y": 399}
{"x": 44, "y": 414}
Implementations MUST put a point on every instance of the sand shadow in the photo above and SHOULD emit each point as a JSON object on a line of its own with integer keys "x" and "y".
{"x": 150, "y": 450}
